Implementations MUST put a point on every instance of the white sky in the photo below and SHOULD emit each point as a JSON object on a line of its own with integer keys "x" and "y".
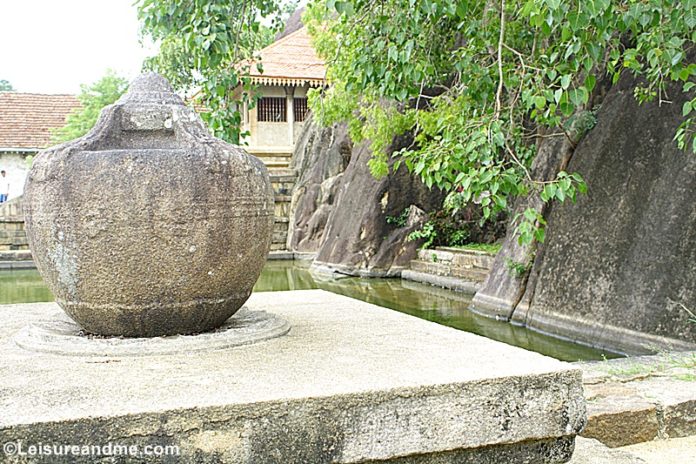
{"x": 53, "y": 46}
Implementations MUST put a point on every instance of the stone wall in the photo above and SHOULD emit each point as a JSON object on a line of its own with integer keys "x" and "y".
{"x": 12, "y": 235}
{"x": 16, "y": 167}
{"x": 282, "y": 182}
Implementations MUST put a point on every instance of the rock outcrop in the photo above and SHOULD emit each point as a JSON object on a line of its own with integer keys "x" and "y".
{"x": 617, "y": 269}
{"x": 321, "y": 155}
{"x": 358, "y": 239}
{"x": 339, "y": 210}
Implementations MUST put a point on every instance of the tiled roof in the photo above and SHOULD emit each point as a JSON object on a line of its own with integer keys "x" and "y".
{"x": 290, "y": 61}
{"x": 25, "y": 118}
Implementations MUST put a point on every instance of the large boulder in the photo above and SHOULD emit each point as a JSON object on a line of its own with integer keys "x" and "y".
{"x": 358, "y": 239}
{"x": 321, "y": 155}
{"x": 617, "y": 269}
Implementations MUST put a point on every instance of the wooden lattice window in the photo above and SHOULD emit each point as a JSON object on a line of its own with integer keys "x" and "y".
{"x": 300, "y": 108}
{"x": 272, "y": 109}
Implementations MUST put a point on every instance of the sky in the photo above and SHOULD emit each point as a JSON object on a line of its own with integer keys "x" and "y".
{"x": 53, "y": 46}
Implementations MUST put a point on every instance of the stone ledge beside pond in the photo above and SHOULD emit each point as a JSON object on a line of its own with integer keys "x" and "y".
{"x": 350, "y": 382}
{"x": 640, "y": 399}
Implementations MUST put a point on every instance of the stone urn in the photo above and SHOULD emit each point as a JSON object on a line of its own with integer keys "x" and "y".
{"x": 148, "y": 225}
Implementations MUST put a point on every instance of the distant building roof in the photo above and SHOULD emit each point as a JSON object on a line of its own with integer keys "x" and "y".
{"x": 290, "y": 61}
{"x": 26, "y": 118}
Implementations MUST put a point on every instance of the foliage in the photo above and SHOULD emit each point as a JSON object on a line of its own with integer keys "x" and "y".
{"x": 491, "y": 248}
{"x": 442, "y": 229}
{"x": 93, "y": 98}
{"x": 207, "y": 47}
{"x": 426, "y": 232}
{"x": 5, "y": 86}
{"x": 400, "y": 220}
{"x": 518, "y": 268}
{"x": 481, "y": 83}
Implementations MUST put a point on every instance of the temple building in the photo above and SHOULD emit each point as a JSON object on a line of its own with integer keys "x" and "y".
{"x": 290, "y": 67}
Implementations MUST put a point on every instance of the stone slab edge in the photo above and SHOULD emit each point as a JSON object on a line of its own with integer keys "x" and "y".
{"x": 332, "y": 269}
{"x": 283, "y": 255}
{"x": 590, "y": 451}
{"x": 16, "y": 265}
{"x": 440, "y": 281}
{"x": 672, "y": 417}
{"x": 416, "y": 421}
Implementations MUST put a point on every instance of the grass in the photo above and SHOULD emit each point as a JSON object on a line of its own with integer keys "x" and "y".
{"x": 635, "y": 369}
{"x": 686, "y": 362}
{"x": 492, "y": 248}
{"x": 665, "y": 368}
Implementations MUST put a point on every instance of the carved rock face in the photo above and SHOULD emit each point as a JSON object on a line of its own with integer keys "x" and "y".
{"x": 148, "y": 225}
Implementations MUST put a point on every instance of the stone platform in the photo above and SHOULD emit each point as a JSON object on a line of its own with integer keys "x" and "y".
{"x": 351, "y": 382}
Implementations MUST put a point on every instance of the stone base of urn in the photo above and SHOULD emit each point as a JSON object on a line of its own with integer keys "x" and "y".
{"x": 351, "y": 382}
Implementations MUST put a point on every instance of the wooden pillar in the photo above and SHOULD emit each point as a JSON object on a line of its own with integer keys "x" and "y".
{"x": 246, "y": 126}
{"x": 290, "y": 108}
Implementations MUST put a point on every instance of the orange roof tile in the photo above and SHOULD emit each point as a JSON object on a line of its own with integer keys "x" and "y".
{"x": 26, "y": 118}
{"x": 290, "y": 61}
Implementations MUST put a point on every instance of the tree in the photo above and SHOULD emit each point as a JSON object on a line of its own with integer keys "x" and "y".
{"x": 207, "y": 48}
{"x": 93, "y": 98}
{"x": 481, "y": 84}
{"x": 5, "y": 86}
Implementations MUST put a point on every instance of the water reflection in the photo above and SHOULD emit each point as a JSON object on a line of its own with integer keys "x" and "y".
{"x": 426, "y": 302}
{"x": 22, "y": 286}
{"x": 423, "y": 301}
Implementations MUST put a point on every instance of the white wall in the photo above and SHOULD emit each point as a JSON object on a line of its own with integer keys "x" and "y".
{"x": 16, "y": 169}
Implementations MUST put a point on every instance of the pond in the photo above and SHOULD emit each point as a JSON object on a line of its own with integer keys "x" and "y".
{"x": 423, "y": 301}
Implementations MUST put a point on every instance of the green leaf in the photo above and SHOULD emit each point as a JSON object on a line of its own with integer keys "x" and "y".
{"x": 565, "y": 81}
{"x": 539, "y": 102}
{"x": 540, "y": 235}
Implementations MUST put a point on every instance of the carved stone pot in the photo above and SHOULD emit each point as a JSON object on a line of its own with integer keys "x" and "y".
{"x": 148, "y": 225}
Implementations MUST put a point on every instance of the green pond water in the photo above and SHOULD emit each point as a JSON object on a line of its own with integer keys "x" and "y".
{"x": 423, "y": 301}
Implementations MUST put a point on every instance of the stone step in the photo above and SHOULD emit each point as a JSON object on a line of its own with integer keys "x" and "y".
{"x": 445, "y": 269}
{"x": 12, "y": 233}
{"x": 640, "y": 399}
{"x": 460, "y": 258}
{"x": 282, "y": 175}
{"x": 13, "y": 239}
{"x": 282, "y": 190}
{"x": 276, "y": 161}
{"x": 11, "y": 225}
{"x": 617, "y": 416}
{"x": 15, "y": 255}
{"x": 282, "y": 198}
{"x": 17, "y": 265}
{"x": 282, "y": 209}
{"x": 6, "y": 247}
{"x": 280, "y": 233}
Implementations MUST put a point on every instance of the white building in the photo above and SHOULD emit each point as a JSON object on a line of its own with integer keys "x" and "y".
{"x": 25, "y": 123}
{"x": 290, "y": 67}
